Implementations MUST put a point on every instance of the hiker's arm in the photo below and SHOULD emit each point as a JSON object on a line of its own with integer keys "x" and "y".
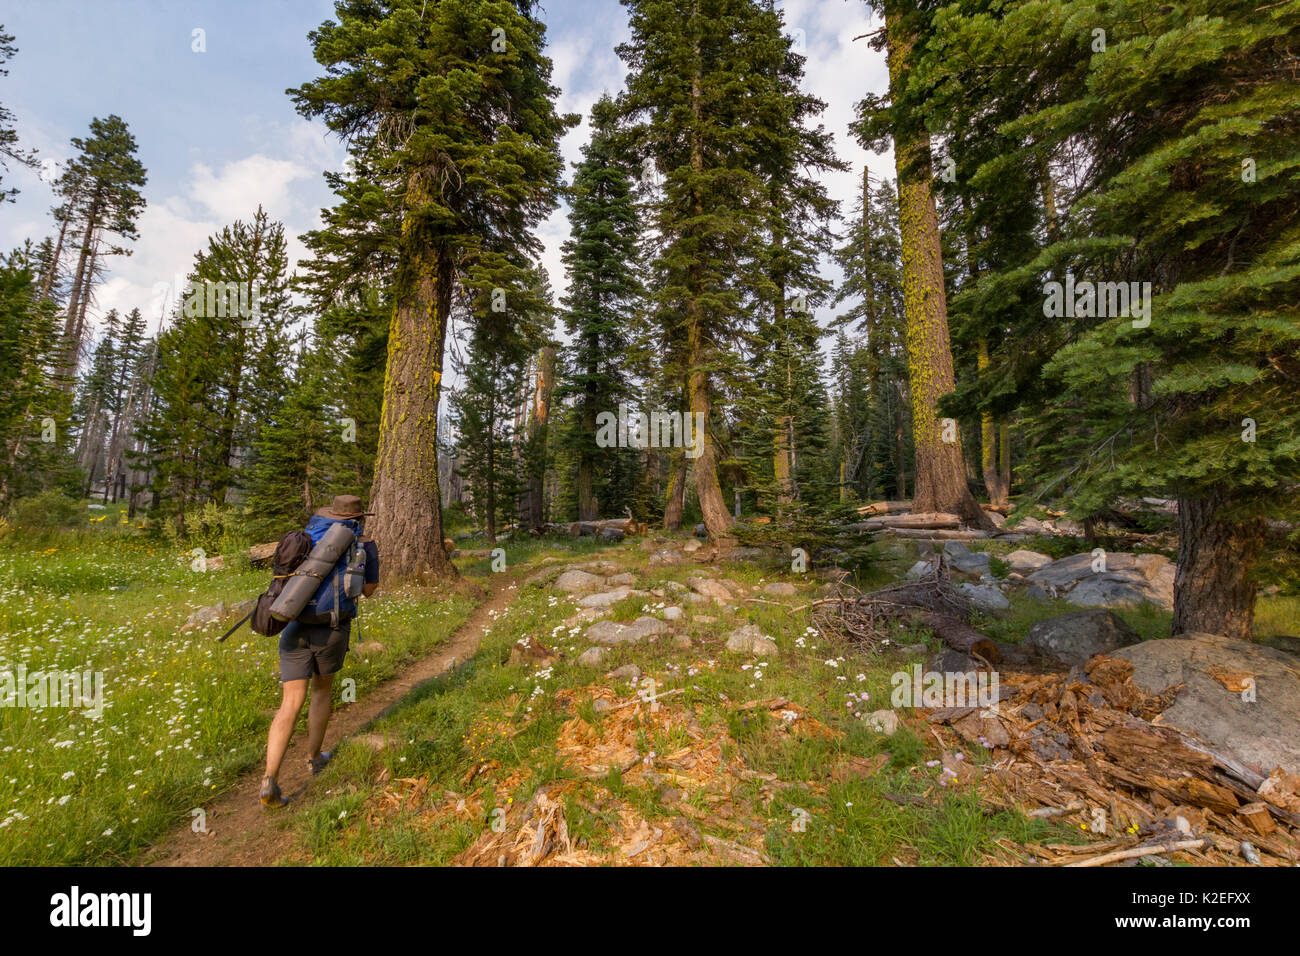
{"x": 371, "y": 584}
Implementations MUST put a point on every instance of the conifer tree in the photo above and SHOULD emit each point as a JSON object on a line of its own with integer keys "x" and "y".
{"x": 34, "y": 406}
{"x": 601, "y": 309}
{"x": 101, "y": 188}
{"x": 875, "y": 434}
{"x": 1186, "y": 179}
{"x": 10, "y": 151}
{"x": 449, "y": 112}
{"x": 940, "y": 470}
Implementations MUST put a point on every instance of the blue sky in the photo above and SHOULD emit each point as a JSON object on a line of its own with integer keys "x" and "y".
{"x": 218, "y": 135}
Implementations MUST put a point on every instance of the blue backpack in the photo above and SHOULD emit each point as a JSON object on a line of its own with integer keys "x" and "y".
{"x": 335, "y": 600}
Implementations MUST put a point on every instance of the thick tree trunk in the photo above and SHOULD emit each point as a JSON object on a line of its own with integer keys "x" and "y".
{"x": 537, "y": 437}
{"x": 675, "y": 502}
{"x": 1213, "y": 591}
{"x": 900, "y": 442}
{"x": 587, "y": 456}
{"x": 407, "y": 525}
{"x": 989, "y": 443}
{"x": 713, "y": 508}
{"x": 781, "y": 442}
{"x": 1004, "y": 460}
{"x": 940, "y": 471}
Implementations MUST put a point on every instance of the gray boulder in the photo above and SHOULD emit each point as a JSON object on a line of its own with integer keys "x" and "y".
{"x": 919, "y": 570}
{"x": 960, "y": 558}
{"x": 204, "y": 616}
{"x": 593, "y": 656}
{"x": 1127, "y": 579}
{"x": 1260, "y": 726}
{"x": 1072, "y": 638}
{"x": 578, "y": 582}
{"x": 750, "y": 639}
{"x": 780, "y": 589}
{"x": 986, "y": 597}
{"x": 709, "y": 588}
{"x": 1023, "y": 561}
{"x": 611, "y": 632}
{"x": 604, "y": 598}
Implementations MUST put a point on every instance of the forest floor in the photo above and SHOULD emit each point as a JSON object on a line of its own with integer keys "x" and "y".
{"x": 594, "y": 704}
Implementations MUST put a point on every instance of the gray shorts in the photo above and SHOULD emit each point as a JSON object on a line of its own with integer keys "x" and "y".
{"x": 307, "y": 650}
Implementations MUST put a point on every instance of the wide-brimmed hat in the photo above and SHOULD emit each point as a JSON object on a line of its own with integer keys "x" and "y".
{"x": 343, "y": 507}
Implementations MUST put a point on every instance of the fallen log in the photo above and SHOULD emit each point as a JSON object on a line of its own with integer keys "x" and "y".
{"x": 939, "y": 535}
{"x": 961, "y": 637}
{"x": 886, "y": 508}
{"x": 924, "y": 520}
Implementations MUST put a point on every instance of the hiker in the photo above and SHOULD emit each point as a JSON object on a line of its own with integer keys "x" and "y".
{"x": 312, "y": 651}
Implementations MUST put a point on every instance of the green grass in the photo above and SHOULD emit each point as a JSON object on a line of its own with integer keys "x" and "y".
{"x": 184, "y": 715}
{"x": 492, "y": 711}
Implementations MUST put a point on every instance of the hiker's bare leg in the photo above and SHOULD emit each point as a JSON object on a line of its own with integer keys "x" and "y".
{"x": 318, "y": 714}
{"x": 295, "y": 692}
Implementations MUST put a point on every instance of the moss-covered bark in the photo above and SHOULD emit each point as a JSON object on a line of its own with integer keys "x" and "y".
{"x": 940, "y": 473}
{"x": 407, "y": 525}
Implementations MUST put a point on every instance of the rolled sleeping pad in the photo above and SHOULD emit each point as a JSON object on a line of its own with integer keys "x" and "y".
{"x": 315, "y": 568}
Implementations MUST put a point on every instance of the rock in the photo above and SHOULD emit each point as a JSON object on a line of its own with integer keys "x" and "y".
{"x": 1073, "y": 638}
{"x": 672, "y": 613}
{"x": 371, "y": 647}
{"x": 665, "y": 558}
{"x": 604, "y": 598}
{"x": 243, "y": 607}
{"x": 1261, "y": 731}
{"x": 683, "y": 641}
{"x": 610, "y": 535}
{"x": 962, "y": 559}
{"x": 585, "y": 616}
{"x": 747, "y": 554}
{"x": 531, "y": 651}
{"x": 709, "y": 588}
{"x": 701, "y": 531}
{"x": 751, "y": 640}
{"x": 1023, "y": 561}
{"x": 593, "y": 656}
{"x": 883, "y": 721}
{"x": 577, "y": 582}
{"x": 913, "y": 649}
{"x": 1030, "y": 524}
{"x": 205, "y": 615}
{"x": 626, "y": 672}
{"x": 986, "y": 597}
{"x": 781, "y": 589}
{"x": 1127, "y": 579}
{"x": 951, "y": 661}
{"x": 690, "y": 547}
{"x": 624, "y": 578}
{"x": 1282, "y": 642}
{"x": 919, "y": 570}
{"x": 611, "y": 632}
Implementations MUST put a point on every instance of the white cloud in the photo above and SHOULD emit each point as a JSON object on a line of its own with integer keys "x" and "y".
{"x": 239, "y": 187}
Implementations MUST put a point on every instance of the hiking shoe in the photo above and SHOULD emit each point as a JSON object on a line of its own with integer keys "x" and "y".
{"x": 317, "y": 764}
{"x": 271, "y": 796}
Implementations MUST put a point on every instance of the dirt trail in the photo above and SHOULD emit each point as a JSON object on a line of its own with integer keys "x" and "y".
{"x": 241, "y": 832}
